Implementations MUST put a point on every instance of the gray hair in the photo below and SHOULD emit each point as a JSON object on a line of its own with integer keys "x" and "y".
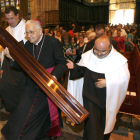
{"x": 37, "y": 23}
{"x": 92, "y": 34}
{"x": 88, "y": 32}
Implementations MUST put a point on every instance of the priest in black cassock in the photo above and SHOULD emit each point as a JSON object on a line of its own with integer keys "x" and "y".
{"x": 106, "y": 78}
{"x": 31, "y": 120}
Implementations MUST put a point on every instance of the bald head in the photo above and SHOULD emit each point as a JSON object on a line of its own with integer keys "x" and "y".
{"x": 103, "y": 41}
{"x": 102, "y": 46}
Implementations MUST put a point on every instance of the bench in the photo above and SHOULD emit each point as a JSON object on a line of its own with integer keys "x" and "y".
{"x": 134, "y": 83}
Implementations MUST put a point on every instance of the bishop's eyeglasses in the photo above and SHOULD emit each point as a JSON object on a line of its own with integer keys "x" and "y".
{"x": 31, "y": 32}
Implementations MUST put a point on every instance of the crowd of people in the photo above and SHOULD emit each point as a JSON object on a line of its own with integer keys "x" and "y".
{"x": 93, "y": 57}
{"x": 123, "y": 37}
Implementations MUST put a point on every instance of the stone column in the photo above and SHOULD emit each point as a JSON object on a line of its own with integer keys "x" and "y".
{"x": 24, "y": 9}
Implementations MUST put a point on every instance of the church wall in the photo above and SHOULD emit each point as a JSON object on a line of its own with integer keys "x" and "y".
{"x": 74, "y": 12}
{"x": 44, "y": 10}
{"x": 65, "y": 12}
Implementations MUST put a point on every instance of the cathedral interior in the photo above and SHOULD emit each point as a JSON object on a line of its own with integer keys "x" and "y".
{"x": 64, "y": 13}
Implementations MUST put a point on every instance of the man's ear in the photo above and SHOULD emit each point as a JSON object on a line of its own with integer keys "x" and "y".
{"x": 17, "y": 15}
{"x": 41, "y": 30}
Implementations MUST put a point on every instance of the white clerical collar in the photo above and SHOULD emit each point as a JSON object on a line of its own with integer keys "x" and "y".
{"x": 40, "y": 39}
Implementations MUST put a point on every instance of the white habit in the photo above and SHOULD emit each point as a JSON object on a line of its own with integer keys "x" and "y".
{"x": 18, "y": 33}
{"x": 117, "y": 75}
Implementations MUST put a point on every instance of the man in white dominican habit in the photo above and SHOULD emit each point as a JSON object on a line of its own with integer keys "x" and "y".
{"x": 105, "y": 83}
{"x": 13, "y": 81}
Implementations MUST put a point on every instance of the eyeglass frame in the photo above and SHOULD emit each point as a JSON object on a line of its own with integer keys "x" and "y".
{"x": 31, "y": 32}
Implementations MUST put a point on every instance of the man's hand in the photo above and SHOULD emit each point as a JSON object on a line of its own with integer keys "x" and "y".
{"x": 54, "y": 77}
{"x": 101, "y": 83}
{"x": 70, "y": 64}
{"x": 7, "y": 54}
{"x": 1, "y": 72}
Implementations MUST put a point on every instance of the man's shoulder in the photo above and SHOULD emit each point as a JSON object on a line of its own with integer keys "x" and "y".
{"x": 28, "y": 43}
{"x": 90, "y": 45}
{"x": 22, "y": 22}
{"x": 28, "y": 46}
{"x": 51, "y": 39}
{"x": 91, "y": 42}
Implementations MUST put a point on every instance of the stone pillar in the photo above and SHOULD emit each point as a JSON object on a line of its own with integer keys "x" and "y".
{"x": 44, "y": 10}
{"x": 24, "y": 9}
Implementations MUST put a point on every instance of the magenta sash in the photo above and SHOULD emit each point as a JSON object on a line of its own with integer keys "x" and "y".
{"x": 55, "y": 130}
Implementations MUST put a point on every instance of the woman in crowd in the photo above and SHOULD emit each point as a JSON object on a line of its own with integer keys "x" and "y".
{"x": 58, "y": 35}
{"x": 74, "y": 41}
{"x": 69, "y": 52}
{"x": 86, "y": 36}
{"x": 120, "y": 41}
{"x": 130, "y": 40}
{"x": 80, "y": 48}
{"x": 77, "y": 36}
{"x": 52, "y": 33}
{"x": 113, "y": 42}
{"x": 46, "y": 31}
{"x": 68, "y": 46}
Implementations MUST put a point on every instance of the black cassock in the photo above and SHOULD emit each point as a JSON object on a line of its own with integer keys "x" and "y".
{"x": 31, "y": 120}
{"x": 12, "y": 85}
{"x": 94, "y": 100}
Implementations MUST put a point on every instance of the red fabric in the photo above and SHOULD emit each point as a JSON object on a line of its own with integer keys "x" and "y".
{"x": 50, "y": 69}
{"x": 71, "y": 33}
{"x": 120, "y": 43}
{"x": 55, "y": 130}
{"x": 37, "y": 21}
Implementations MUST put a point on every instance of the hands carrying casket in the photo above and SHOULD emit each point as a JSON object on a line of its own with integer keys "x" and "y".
{"x": 7, "y": 54}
